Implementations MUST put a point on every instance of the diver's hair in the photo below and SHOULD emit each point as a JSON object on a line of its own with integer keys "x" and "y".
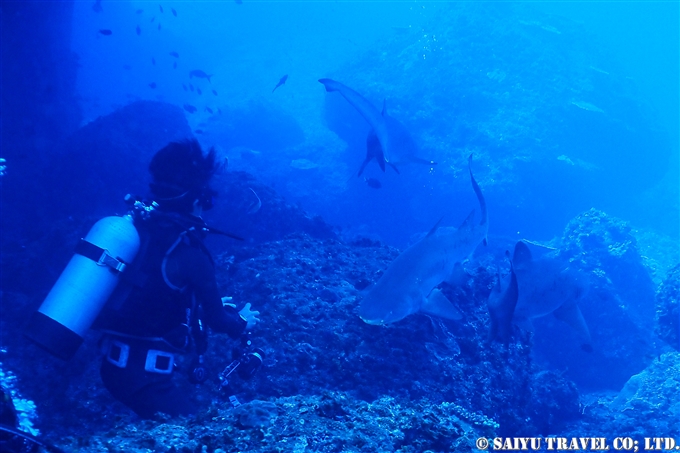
{"x": 180, "y": 170}
{"x": 183, "y": 165}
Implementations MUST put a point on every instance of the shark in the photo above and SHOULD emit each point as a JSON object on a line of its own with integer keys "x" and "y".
{"x": 409, "y": 284}
{"x": 374, "y": 151}
{"x": 542, "y": 286}
{"x": 396, "y": 146}
{"x": 502, "y": 303}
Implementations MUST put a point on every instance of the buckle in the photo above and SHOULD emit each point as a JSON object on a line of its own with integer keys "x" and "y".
{"x": 99, "y": 255}
{"x": 160, "y": 362}
{"x": 107, "y": 260}
{"x": 118, "y": 354}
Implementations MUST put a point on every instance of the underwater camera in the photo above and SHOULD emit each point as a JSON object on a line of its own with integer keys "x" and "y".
{"x": 246, "y": 361}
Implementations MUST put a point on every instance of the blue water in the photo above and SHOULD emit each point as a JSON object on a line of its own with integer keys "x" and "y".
{"x": 249, "y": 47}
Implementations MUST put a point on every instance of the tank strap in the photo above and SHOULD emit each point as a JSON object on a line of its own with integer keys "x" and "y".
{"x": 99, "y": 255}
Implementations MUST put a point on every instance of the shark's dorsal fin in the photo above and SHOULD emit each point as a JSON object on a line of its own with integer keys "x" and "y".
{"x": 384, "y": 109}
{"x": 434, "y": 228}
{"x": 522, "y": 256}
{"x": 467, "y": 223}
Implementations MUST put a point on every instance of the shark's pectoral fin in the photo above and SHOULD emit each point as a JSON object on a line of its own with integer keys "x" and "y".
{"x": 363, "y": 166}
{"x": 394, "y": 167}
{"x": 381, "y": 163}
{"x": 572, "y": 316}
{"x": 437, "y": 304}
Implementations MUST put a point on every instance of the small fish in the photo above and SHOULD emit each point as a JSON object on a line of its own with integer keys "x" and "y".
{"x": 97, "y": 7}
{"x": 152, "y": 85}
{"x": 174, "y": 13}
{"x": 372, "y": 182}
{"x": 174, "y": 65}
{"x": 255, "y": 205}
{"x": 153, "y": 19}
{"x": 161, "y": 8}
{"x": 191, "y": 86}
{"x": 219, "y": 111}
{"x": 185, "y": 87}
{"x": 198, "y": 90}
{"x": 139, "y": 30}
{"x": 281, "y": 82}
{"x": 214, "y": 92}
{"x": 153, "y": 61}
{"x": 200, "y": 74}
{"x": 198, "y": 131}
{"x": 189, "y": 108}
{"x": 139, "y": 11}
{"x": 174, "y": 54}
{"x": 105, "y": 32}
{"x": 159, "y": 26}
{"x": 209, "y": 110}
{"x": 127, "y": 67}
{"x": 239, "y": 2}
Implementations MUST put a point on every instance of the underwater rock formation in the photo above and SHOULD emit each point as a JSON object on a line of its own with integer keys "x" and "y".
{"x": 117, "y": 149}
{"x": 668, "y": 309}
{"x": 618, "y": 307}
{"x": 38, "y": 102}
{"x": 650, "y": 400}
{"x": 237, "y": 211}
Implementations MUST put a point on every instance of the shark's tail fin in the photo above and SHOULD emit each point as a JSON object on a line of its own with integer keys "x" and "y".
{"x": 478, "y": 192}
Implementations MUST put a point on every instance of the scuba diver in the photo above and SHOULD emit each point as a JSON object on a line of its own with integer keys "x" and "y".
{"x": 147, "y": 281}
{"x": 170, "y": 290}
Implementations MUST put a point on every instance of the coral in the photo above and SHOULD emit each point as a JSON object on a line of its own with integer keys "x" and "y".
{"x": 26, "y": 410}
{"x": 256, "y": 414}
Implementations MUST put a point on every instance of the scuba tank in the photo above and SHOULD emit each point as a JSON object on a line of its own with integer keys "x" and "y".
{"x": 83, "y": 288}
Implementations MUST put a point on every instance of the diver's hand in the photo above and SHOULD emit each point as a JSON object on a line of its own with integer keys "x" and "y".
{"x": 251, "y": 316}
{"x": 246, "y": 313}
{"x": 226, "y": 302}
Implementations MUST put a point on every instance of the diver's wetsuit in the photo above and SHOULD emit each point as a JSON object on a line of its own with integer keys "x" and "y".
{"x": 151, "y": 324}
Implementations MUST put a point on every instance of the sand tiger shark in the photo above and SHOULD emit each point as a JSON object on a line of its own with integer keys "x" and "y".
{"x": 396, "y": 146}
{"x": 542, "y": 286}
{"x": 409, "y": 284}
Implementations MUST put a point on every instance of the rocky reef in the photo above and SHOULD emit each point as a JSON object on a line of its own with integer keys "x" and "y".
{"x": 329, "y": 382}
{"x": 619, "y": 305}
{"x": 668, "y": 309}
